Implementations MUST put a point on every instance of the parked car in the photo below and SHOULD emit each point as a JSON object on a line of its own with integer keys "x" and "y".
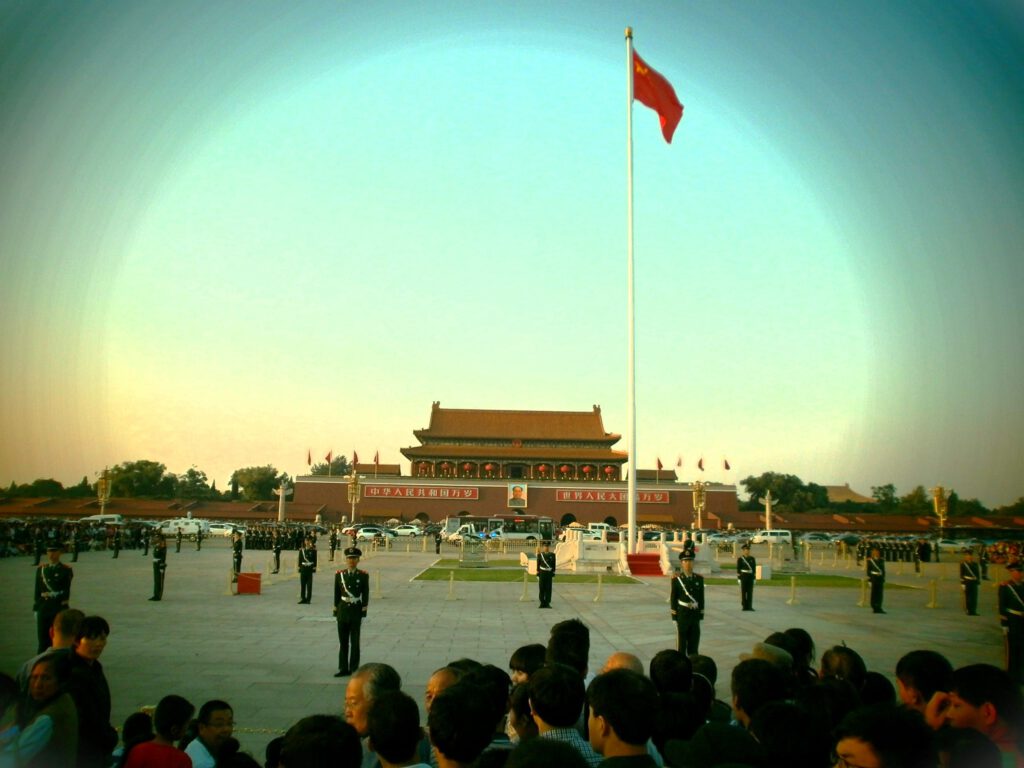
{"x": 407, "y": 529}
{"x": 774, "y": 536}
{"x": 369, "y": 532}
{"x": 816, "y": 538}
{"x": 221, "y": 529}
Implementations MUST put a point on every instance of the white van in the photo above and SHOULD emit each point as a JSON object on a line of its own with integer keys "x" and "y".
{"x": 190, "y": 527}
{"x": 774, "y": 536}
{"x": 102, "y": 520}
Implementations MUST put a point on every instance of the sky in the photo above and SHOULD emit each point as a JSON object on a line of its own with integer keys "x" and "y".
{"x": 234, "y": 232}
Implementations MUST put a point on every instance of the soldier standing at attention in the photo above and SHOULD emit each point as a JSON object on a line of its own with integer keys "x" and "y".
{"x": 277, "y": 552}
{"x": 159, "y": 566}
{"x": 351, "y": 598}
{"x": 117, "y": 542}
{"x": 236, "y": 555}
{"x": 177, "y": 541}
{"x": 333, "y": 542}
{"x": 1011, "y": 616}
{"x": 876, "y": 576}
{"x": 970, "y": 578}
{"x": 52, "y": 593}
{"x": 145, "y": 541}
{"x": 437, "y": 542}
{"x": 546, "y": 565}
{"x": 199, "y": 539}
{"x": 746, "y": 572}
{"x": 307, "y": 567}
{"x": 75, "y": 543}
{"x": 687, "y": 603}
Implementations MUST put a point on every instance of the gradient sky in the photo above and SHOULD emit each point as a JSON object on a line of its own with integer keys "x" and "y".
{"x": 230, "y": 232}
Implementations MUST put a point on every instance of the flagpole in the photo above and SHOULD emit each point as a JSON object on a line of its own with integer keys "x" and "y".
{"x": 630, "y": 311}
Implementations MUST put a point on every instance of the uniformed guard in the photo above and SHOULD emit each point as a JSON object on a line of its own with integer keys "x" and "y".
{"x": 746, "y": 572}
{"x": 145, "y": 541}
{"x": 52, "y": 593}
{"x": 351, "y": 598}
{"x": 199, "y": 539}
{"x": 333, "y": 542}
{"x": 307, "y": 567}
{"x": 277, "y": 552}
{"x": 177, "y": 541}
{"x": 37, "y": 547}
{"x": 970, "y": 579}
{"x": 437, "y": 542}
{"x": 117, "y": 542}
{"x": 876, "y": 577}
{"x": 546, "y": 565}
{"x": 689, "y": 547}
{"x": 159, "y": 566}
{"x": 1011, "y": 616}
{"x": 686, "y": 601}
{"x": 236, "y": 555}
{"x": 75, "y": 543}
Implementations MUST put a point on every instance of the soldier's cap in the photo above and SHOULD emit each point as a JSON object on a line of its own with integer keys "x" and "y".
{"x": 685, "y": 556}
{"x": 353, "y": 552}
{"x": 745, "y": 546}
{"x": 1016, "y": 565}
{"x": 54, "y": 548}
{"x": 546, "y": 543}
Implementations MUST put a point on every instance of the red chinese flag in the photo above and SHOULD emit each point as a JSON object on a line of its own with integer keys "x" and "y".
{"x": 355, "y": 458}
{"x": 309, "y": 457}
{"x": 679, "y": 461}
{"x": 654, "y": 91}
{"x": 700, "y": 464}
{"x": 727, "y": 467}
{"x": 328, "y": 456}
{"x": 660, "y": 465}
{"x": 376, "y": 458}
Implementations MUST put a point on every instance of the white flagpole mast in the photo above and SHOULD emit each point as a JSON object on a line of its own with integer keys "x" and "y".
{"x": 631, "y": 376}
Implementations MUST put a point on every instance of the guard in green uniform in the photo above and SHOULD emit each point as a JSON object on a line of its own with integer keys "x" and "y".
{"x": 52, "y": 593}
{"x": 236, "y": 555}
{"x": 686, "y": 601}
{"x": 1011, "y": 616}
{"x": 159, "y": 566}
{"x": 746, "y": 572}
{"x": 351, "y": 598}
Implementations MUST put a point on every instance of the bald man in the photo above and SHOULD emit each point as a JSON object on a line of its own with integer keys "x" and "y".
{"x": 623, "y": 660}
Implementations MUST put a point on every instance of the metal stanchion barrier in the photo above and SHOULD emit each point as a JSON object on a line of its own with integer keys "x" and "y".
{"x": 863, "y": 592}
{"x": 597, "y": 597}
{"x": 792, "y": 592}
{"x": 378, "y": 593}
{"x": 451, "y": 586}
{"x": 523, "y": 597}
{"x": 933, "y": 589}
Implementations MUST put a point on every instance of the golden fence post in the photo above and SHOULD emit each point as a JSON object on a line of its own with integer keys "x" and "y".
{"x": 792, "y": 592}
{"x": 934, "y": 590}
{"x": 451, "y": 586}
{"x": 600, "y": 583}
{"x": 523, "y": 598}
{"x": 863, "y": 592}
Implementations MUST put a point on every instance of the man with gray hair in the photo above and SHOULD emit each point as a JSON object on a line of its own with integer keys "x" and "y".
{"x": 366, "y": 684}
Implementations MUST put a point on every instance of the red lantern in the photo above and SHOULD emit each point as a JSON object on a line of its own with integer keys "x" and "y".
{"x": 564, "y": 468}
{"x": 587, "y": 470}
{"x": 543, "y": 468}
{"x": 467, "y": 466}
{"x": 488, "y": 467}
{"x": 609, "y": 470}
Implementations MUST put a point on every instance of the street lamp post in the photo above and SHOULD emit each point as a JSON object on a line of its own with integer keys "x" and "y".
{"x": 940, "y": 498}
{"x": 103, "y": 491}
{"x": 699, "y": 499}
{"x": 354, "y": 489}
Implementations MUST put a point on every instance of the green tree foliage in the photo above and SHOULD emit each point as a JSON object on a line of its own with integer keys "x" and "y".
{"x": 83, "y": 490}
{"x": 1017, "y": 508}
{"x": 917, "y": 502}
{"x": 885, "y": 495}
{"x": 965, "y": 507}
{"x": 142, "y": 479}
{"x": 783, "y": 488}
{"x": 193, "y": 484}
{"x": 339, "y": 466}
{"x": 811, "y": 496}
{"x": 257, "y": 483}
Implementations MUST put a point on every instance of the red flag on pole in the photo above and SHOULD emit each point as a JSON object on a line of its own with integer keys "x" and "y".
{"x": 652, "y": 90}
{"x": 727, "y": 467}
{"x": 660, "y": 465}
{"x": 700, "y": 464}
{"x": 376, "y": 458}
{"x": 329, "y": 455}
{"x": 679, "y": 461}
{"x": 355, "y": 457}
{"x": 309, "y": 457}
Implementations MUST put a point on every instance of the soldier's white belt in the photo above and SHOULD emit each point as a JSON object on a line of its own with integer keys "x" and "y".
{"x": 350, "y": 600}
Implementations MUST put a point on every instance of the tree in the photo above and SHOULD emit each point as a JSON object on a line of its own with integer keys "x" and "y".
{"x": 257, "y": 483}
{"x": 142, "y": 479}
{"x": 194, "y": 485}
{"x": 1017, "y": 508}
{"x": 812, "y": 496}
{"x": 81, "y": 491}
{"x": 782, "y": 487}
{"x": 917, "y": 502}
{"x": 885, "y": 495}
{"x": 339, "y": 466}
{"x": 965, "y": 507}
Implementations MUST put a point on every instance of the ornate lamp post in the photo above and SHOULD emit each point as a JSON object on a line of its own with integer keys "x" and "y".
{"x": 103, "y": 490}
{"x": 354, "y": 489}
{"x": 699, "y": 499}
{"x": 940, "y": 498}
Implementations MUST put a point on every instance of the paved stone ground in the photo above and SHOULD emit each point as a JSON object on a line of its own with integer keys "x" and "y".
{"x": 273, "y": 660}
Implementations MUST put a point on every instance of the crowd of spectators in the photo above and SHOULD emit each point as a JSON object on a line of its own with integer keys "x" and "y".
{"x": 781, "y": 708}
